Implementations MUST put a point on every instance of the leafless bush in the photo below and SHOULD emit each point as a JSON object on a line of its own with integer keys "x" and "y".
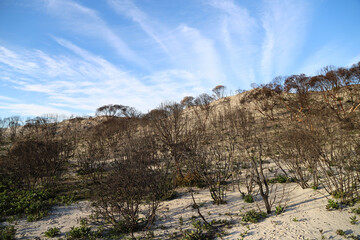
{"x": 339, "y": 165}
{"x": 130, "y": 195}
{"x": 237, "y": 120}
{"x": 13, "y": 124}
{"x": 297, "y": 150}
{"x": 171, "y": 128}
{"x": 214, "y": 164}
{"x": 254, "y": 144}
{"x": 39, "y": 155}
{"x": 36, "y": 161}
{"x": 2, "y": 131}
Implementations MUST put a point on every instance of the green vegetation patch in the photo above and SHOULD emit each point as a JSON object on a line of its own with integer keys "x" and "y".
{"x": 34, "y": 203}
{"x": 253, "y": 216}
{"x": 7, "y": 233}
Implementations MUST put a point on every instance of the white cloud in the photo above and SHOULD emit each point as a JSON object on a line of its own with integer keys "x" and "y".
{"x": 32, "y": 110}
{"x": 285, "y": 24}
{"x": 353, "y": 60}
{"x": 8, "y": 99}
{"x": 129, "y": 9}
{"x": 186, "y": 47}
{"x": 83, "y": 81}
{"x": 14, "y": 60}
{"x": 239, "y": 34}
{"x": 327, "y": 55}
{"x": 86, "y": 21}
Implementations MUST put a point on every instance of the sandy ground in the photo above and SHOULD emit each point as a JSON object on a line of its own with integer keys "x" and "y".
{"x": 62, "y": 217}
{"x": 307, "y": 207}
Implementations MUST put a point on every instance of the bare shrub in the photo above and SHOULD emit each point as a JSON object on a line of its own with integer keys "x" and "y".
{"x": 39, "y": 154}
{"x": 37, "y": 161}
{"x": 339, "y": 163}
{"x": 297, "y": 150}
{"x": 130, "y": 195}
{"x": 171, "y": 128}
{"x": 254, "y": 145}
{"x": 13, "y": 124}
{"x": 213, "y": 164}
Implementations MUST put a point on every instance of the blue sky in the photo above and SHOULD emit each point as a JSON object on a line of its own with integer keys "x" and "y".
{"x": 72, "y": 56}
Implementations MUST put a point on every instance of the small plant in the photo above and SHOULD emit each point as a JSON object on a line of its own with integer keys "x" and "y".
{"x": 244, "y": 234}
{"x": 279, "y": 179}
{"x": 332, "y": 205}
{"x": 83, "y": 232}
{"x": 356, "y": 210}
{"x": 354, "y": 237}
{"x": 279, "y": 209}
{"x": 248, "y": 198}
{"x": 181, "y": 221}
{"x": 37, "y": 216}
{"x": 150, "y": 235}
{"x": 11, "y": 219}
{"x": 353, "y": 220}
{"x": 7, "y": 233}
{"x": 314, "y": 187}
{"x": 340, "y": 232}
{"x": 170, "y": 195}
{"x": 253, "y": 216}
{"x": 322, "y": 233}
{"x": 99, "y": 232}
{"x": 194, "y": 234}
{"x": 338, "y": 194}
{"x": 295, "y": 219}
{"x": 52, "y": 232}
{"x": 196, "y": 206}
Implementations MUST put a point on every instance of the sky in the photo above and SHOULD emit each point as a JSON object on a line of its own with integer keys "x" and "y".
{"x": 70, "y": 57}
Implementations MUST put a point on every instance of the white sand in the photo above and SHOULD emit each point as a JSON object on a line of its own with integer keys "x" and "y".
{"x": 62, "y": 217}
{"x": 307, "y": 206}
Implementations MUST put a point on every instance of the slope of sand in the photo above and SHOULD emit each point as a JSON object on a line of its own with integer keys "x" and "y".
{"x": 304, "y": 217}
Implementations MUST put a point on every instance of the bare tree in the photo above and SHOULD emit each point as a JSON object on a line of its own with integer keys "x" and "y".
{"x": 172, "y": 129}
{"x": 296, "y": 150}
{"x": 219, "y": 91}
{"x": 118, "y": 111}
{"x": 339, "y": 89}
{"x": 130, "y": 195}
{"x": 13, "y": 124}
{"x": 339, "y": 165}
{"x": 254, "y": 146}
{"x": 187, "y": 101}
{"x": 2, "y": 130}
{"x": 213, "y": 159}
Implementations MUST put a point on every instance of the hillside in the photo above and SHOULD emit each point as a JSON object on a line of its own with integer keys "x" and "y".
{"x": 284, "y": 154}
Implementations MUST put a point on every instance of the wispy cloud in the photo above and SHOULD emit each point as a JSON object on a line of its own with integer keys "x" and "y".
{"x": 238, "y": 31}
{"x": 327, "y": 55}
{"x": 353, "y": 60}
{"x": 8, "y": 99}
{"x": 12, "y": 59}
{"x": 285, "y": 23}
{"x": 32, "y": 110}
{"x": 203, "y": 55}
{"x": 86, "y": 21}
{"x": 84, "y": 81}
{"x": 129, "y": 9}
